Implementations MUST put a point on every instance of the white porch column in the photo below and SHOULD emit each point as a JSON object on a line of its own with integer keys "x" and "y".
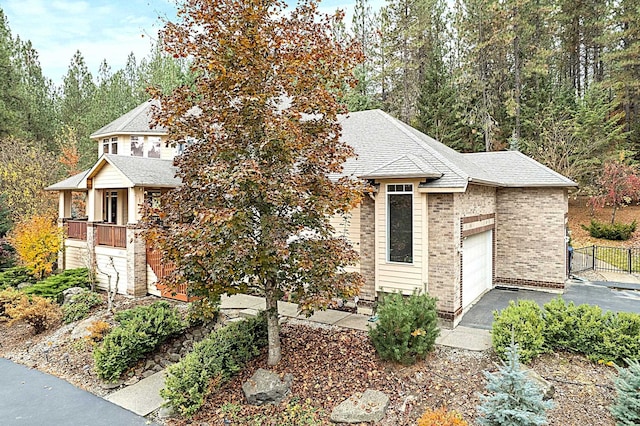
{"x": 94, "y": 205}
{"x": 135, "y": 200}
{"x": 64, "y": 204}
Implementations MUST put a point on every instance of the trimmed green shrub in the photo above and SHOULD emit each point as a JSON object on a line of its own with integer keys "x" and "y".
{"x": 626, "y": 409}
{"x": 514, "y": 399}
{"x": 589, "y": 328}
{"x": 560, "y": 321}
{"x": 619, "y": 340}
{"x": 610, "y": 231}
{"x": 213, "y": 362}
{"x": 407, "y": 327}
{"x": 140, "y": 331}
{"x": 600, "y": 336}
{"x": 521, "y": 323}
{"x": 12, "y": 277}
{"x": 53, "y": 286}
{"x": 79, "y": 306}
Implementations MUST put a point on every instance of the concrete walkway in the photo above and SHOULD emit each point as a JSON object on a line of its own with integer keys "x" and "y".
{"x": 143, "y": 397}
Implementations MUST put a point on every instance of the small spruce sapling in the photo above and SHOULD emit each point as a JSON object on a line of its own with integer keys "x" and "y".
{"x": 626, "y": 409}
{"x": 514, "y": 399}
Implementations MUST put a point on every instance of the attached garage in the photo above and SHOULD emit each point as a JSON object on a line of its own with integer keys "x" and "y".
{"x": 477, "y": 266}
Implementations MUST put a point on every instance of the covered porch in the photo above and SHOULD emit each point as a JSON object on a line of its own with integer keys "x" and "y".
{"x": 105, "y": 236}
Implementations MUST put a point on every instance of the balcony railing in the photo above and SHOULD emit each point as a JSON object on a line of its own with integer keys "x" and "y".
{"x": 111, "y": 235}
{"x": 77, "y": 229}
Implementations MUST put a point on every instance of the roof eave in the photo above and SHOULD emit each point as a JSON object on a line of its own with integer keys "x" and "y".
{"x": 432, "y": 176}
{"x": 540, "y": 185}
{"x": 485, "y": 182}
{"x": 126, "y": 133}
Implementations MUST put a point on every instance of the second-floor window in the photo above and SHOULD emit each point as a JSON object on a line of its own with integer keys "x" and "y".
{"x": 153, "y": 147}
{"x": 137, "y": 146}
{"x": 110, "y": 146}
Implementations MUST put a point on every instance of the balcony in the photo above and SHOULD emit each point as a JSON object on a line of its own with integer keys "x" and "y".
{"x": 77, "y": 229}
{"x": 111, "y": 235}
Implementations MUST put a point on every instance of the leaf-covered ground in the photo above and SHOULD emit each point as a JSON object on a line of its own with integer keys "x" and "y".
{"x": 581, "y": 214}
{"x": 330, "y": 364}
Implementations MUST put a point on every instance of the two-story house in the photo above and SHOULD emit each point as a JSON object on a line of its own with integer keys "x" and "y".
{"x": 439, "y": 221}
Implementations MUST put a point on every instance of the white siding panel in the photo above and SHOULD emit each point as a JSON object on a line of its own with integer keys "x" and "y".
{"x": 105, "y": 269}
{"x": 77, "y": 255}
{"x": 109, "y": 177}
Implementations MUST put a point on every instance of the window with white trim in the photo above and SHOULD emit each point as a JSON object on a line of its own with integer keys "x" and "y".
{"x": 137, "y": 146}
{"x": 400, "y": 223}
{"x": 110, "y": 207}
{"x": 110, "y": 146}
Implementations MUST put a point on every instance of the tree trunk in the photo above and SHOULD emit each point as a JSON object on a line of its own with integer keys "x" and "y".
{"x": 613, "y": 214}
{"x": 273, "y": 326}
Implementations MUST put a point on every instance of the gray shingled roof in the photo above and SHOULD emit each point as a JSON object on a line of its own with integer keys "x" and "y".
{"x": 142, "y": 171}
{"x": 74, "y": 182}
{"x": 136, "y": 121}
{"x": 384, "y": 143}
{"x": 385, "y": 147}
{"x": 513, "y": 168}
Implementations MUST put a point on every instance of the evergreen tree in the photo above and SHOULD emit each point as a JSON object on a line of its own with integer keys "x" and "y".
{"x": 626, "y": 409}
{"x": 160, "y": 71}
{"x": 39, "y": 119}
{"x": 623, "y": 60}
{"x": 514, "y": 399}
{"x": 76, "y": 106}
{"x": 362, "y": 97}
{"x": 10, "y": 117}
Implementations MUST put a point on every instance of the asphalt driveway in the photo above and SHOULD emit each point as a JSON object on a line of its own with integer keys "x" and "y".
{"x": 615, "y": 297}
{"x": 29, "y": 398}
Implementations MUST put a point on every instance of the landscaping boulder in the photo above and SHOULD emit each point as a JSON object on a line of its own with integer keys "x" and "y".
{"x": 265, "y": 387}
{"x": 70, "y": 292}
{"x": 369, "y": 406}
{"x": 81, "y": 329}
{"x": 547, "y": 388}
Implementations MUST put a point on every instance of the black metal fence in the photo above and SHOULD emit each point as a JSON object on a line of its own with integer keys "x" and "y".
{"x": 599, "y": 258}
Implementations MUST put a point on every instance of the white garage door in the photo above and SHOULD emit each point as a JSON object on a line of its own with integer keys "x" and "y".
{"x": 477, "y": 268}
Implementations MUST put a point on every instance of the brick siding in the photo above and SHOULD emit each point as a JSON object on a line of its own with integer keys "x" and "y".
{"x": 368, "y": 248}
{"x": 531, "y": 248}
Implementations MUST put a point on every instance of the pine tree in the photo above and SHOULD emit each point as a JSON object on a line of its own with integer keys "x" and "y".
{"x": 626, "y": 409}
{"x": 514, "y": 399}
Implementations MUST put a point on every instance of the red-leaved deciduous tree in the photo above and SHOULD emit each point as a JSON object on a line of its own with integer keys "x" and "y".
{"x": 620, "y": 184}
{"x": 260, "y": 182}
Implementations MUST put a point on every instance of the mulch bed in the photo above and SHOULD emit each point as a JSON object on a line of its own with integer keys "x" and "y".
{"x": 330, "y": 364}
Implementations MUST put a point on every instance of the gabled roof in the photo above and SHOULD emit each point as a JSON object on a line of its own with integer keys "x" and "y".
{"x": 405, "y": 166}
{"x": 136, "y": 121}
{"x": 513, "y": 168}
{"x": 384, "y": 143}
{"x": 140, "y": 171}
{"x": 73, "y": 183}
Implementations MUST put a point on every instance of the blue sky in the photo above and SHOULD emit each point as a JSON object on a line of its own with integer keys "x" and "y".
{"x": 100, "y": 29}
